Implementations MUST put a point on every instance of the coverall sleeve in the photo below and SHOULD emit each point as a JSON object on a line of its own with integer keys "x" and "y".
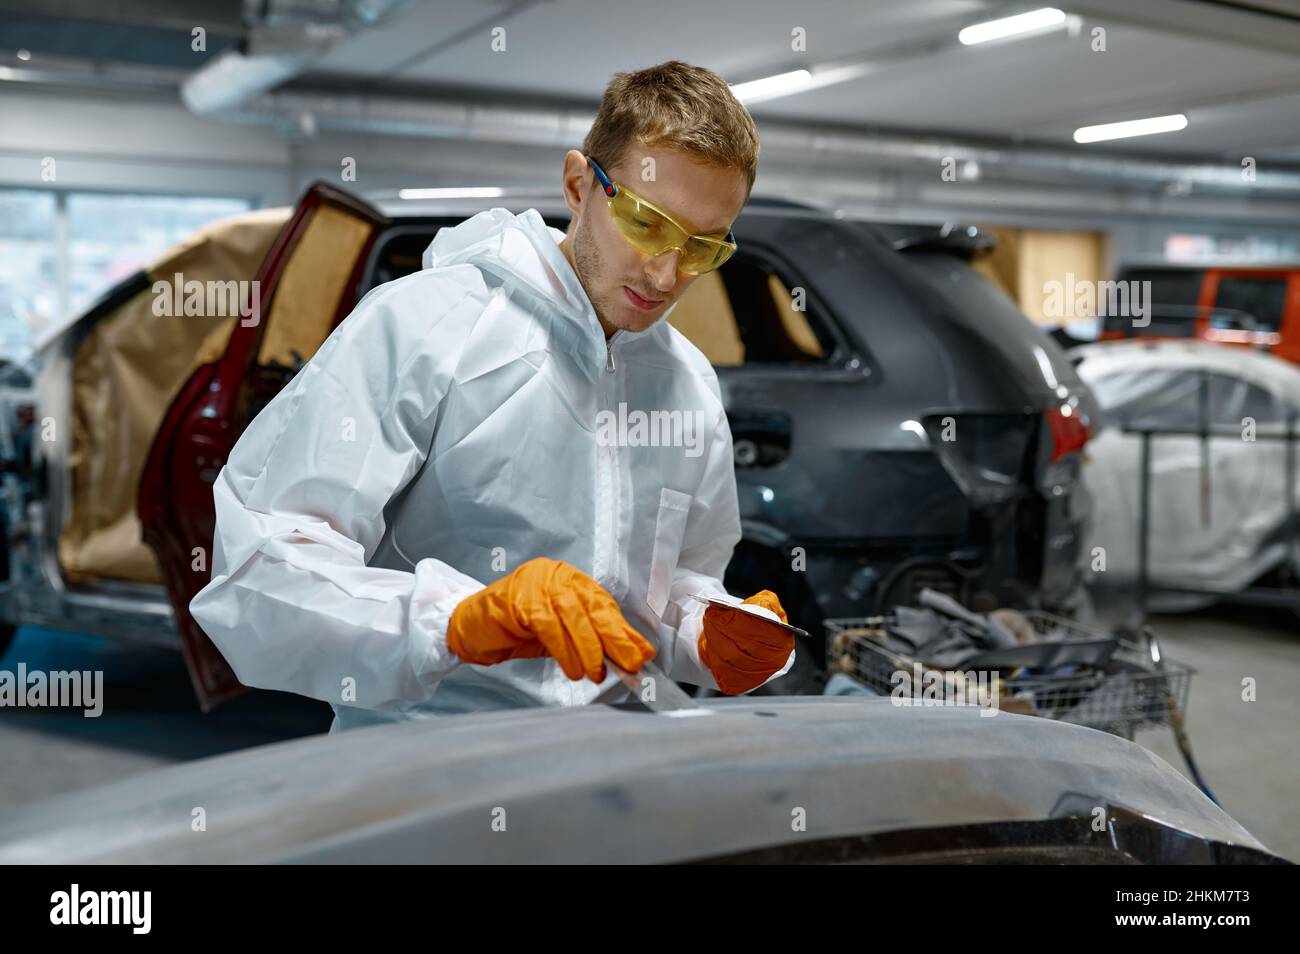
{"x": 712, "y": 532}
{"x": 292, "y": 604}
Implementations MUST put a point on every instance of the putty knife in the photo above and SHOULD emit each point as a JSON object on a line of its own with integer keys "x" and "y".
{"x": 723, "y": 604}
{"x": 668, "y": 698}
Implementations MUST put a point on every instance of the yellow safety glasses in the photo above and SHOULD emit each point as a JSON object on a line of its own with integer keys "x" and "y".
{"x": 654, "y": 232}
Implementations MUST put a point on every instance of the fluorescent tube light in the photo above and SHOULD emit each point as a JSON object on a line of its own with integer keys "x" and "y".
{"x": 1034, "y": 21}
{"x": 782, "y": 84}
{"x": 484, "y": 192}
{"x": 1133, "y": 127}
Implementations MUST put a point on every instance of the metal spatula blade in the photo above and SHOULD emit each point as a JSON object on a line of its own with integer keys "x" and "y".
{"x": 723, "y": 604}
{"x": 667, "y": 698}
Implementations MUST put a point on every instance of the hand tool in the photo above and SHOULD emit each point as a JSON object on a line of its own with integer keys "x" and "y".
{"x": 666, "y": 697}
{"x": 748, "y": 608}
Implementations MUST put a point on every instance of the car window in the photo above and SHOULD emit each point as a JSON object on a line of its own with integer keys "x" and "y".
{"x": 1157, "y": 398}
{"x": 1232, "y": 400}
{"x": 744, "y": 313}
{"x": 1171, "y": 296}
{"x": 399, "y": 253}
{"x": 1169, "y": 321}
{"x": 1169, "y": 398}
{"x": 704, "y": 315}
{"x": 1169, "y": 286}
{"x": 1241, "y": 299}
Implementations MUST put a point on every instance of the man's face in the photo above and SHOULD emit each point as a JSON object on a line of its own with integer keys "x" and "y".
{"x": 629, "y": 290}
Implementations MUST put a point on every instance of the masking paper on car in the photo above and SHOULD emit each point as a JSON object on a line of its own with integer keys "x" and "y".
{"x": 125, "y": 374}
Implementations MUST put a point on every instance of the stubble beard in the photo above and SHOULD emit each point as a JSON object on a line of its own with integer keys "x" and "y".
{"x": 587, "y": 262}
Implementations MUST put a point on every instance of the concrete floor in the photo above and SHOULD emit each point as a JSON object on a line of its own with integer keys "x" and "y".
{"x": 150, "y": 718}
{"x": 1248, "y": 752}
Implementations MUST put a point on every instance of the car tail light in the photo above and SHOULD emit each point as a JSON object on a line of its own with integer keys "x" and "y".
{"x": 985, "y": 454}
{"x": 1068, "y": 429}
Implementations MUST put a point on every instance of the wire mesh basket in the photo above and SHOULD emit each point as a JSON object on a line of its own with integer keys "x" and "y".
{"x": 1129, "y": 691}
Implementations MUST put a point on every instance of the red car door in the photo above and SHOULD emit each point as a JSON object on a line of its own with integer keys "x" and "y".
{"x": 305, "y": 287}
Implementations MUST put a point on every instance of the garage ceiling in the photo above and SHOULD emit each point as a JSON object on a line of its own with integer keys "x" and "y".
{"x": 1233, "y": 67}
{"x": 1242, "y": 97}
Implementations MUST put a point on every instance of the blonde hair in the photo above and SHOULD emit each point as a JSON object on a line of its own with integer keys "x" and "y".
{"x": 679, "y": 106}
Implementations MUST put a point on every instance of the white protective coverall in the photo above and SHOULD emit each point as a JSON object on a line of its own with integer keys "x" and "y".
{"x": 447, "y": 431}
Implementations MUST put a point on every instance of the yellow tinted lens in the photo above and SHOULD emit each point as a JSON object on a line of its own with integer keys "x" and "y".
{"x": 700, "y": 256}
{"x": 652, "y": 233}
{"x": 647, "y": 230}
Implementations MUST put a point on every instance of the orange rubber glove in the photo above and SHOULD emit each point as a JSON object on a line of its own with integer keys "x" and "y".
{"x": 741, "y": 649}
{"x": 546, "y": 608}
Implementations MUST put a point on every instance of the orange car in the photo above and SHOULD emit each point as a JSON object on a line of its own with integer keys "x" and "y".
{"x": 1256, "y": 306}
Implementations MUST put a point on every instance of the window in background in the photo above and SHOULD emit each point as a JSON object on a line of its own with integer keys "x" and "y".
{"x": 29, "y": 268}
{"x": 111, "y": 236}
{"x": 1169, "y": 286}
{"x": 1172, "y": 297}
{"x": 60, "y": 251}
{"x": 1253, "y": 303}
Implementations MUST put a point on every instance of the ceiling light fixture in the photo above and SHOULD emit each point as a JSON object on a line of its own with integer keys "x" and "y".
{"x": 476, "y": 192}
{"x": 1035, "y": 21}
{"x": 1133, "y": 127}
{"x": 782, "y": 84}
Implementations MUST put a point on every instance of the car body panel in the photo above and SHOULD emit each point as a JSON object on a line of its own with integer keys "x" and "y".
{"x": 615, "y": 784}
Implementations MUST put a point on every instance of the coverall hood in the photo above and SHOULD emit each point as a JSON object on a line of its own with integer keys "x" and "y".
{"x": 523, "y": 251}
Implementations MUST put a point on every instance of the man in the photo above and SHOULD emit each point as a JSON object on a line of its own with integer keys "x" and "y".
{"x": 447, "y": 509}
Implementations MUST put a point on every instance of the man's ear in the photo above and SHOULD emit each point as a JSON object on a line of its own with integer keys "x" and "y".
{"x": 577, "y": 174}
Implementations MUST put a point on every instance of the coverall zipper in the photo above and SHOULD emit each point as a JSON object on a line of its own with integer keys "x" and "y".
{"x": 608, "y": 481}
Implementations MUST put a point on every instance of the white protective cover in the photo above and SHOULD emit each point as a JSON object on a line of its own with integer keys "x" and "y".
{"x": 1239, "y": 537}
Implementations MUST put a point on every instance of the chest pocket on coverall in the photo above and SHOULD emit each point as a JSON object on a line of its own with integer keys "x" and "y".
{"x": 670, "y": 527}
